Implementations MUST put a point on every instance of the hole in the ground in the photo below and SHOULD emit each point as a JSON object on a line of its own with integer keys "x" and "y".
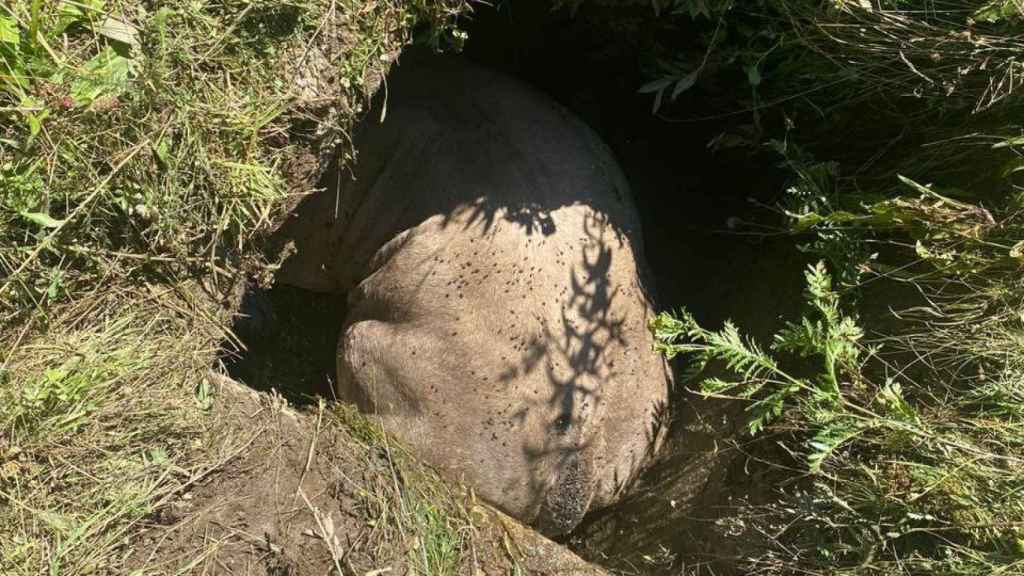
{"x": 696, "y": 203}
{"x": 290, "y": 336}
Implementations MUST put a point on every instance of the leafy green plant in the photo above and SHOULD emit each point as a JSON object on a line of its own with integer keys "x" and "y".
{"x": 105, "y": 75}
{"x": 906, "y": 477}
{"x": 897, "y": 393}
{"x": 826, "y": 335}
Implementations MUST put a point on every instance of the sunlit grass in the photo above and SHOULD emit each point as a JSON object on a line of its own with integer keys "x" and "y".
{"x": 144, "y": 151}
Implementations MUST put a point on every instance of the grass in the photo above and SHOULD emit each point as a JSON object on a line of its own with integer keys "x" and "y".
{"x": 409, "y": 504}
{"x": 89, "y": 446}
{"x": 888, "y": 472}
{"x": 145, "y": 151}
{"x": 165, "y": 140}
{"x": 899, "y": 435}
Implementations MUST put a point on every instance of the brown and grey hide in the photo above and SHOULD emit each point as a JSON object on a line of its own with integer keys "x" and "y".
{"x": 498, "y": 306}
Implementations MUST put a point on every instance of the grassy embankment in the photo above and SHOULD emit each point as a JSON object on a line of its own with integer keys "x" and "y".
{"x": 144, "y": 148}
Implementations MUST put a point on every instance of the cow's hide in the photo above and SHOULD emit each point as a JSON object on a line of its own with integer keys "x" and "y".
{"x": 498, "y": 306}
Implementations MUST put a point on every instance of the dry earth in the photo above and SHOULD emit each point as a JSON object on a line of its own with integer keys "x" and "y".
{"x": 321, "y": 492}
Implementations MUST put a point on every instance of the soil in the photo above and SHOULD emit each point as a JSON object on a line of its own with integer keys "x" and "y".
{"x": 292, "y": 496}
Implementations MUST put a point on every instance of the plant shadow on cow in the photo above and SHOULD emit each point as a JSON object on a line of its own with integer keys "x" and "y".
{"x": 572, "y": 358}
{"x": 698, "y": 224}
{"x": 496, "y": 296}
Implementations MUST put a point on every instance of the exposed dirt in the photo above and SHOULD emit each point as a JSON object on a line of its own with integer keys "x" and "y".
{"x": 300, "y": 493}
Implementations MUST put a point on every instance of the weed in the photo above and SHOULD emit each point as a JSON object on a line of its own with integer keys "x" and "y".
{"x": 907, "y": 427}
{"x": 903, "y": 477}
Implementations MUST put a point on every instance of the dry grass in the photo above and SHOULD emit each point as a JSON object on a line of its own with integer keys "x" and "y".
{"x": 102, "y": 412}
{"x": 144, "y": 151}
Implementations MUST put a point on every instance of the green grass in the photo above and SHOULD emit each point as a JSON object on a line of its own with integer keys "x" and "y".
{"x": 163, "y": 140}
{"x": 901, "y": 431}
{"x": 145, "y": 151}
{"x": 88, "y": 444}
{"x": 408, "y": 504}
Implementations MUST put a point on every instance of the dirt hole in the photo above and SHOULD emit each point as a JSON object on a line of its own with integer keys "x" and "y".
{"x": 702, "y": 208}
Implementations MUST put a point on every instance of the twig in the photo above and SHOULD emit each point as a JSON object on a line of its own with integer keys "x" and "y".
{"x": 326, "y": 535}
{"x": 914, "y": 68}
{"x": 231, "y": 29}
{"x": 394, "y": 479}
{"x": 312, "y": 447}
{"x": 312, "y": 40}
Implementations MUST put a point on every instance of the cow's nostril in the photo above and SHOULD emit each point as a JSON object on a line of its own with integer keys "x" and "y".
{"x": 567, "y": 501}
{"x": 563, "y": 423}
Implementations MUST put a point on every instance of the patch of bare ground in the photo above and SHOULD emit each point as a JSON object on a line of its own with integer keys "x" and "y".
{"x": 322, "y": 491}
